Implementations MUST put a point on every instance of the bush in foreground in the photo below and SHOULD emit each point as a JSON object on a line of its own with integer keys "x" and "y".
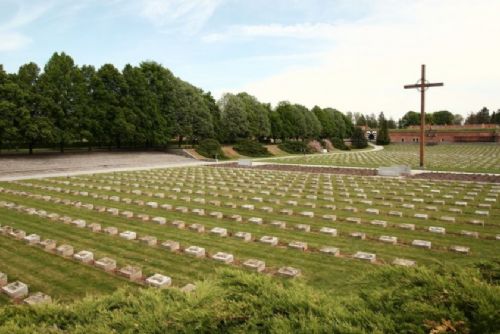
{"x": 251, "y": 148}
{"x": 294, "y": 147}
{"x": 210, "y": 148}
{"x": 396, "y": 300}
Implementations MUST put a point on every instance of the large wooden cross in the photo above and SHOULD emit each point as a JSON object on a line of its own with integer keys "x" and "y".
{"x": 422, "y": 86}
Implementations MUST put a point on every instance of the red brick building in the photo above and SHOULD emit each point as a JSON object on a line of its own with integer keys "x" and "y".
{"x": 448, "y": 134}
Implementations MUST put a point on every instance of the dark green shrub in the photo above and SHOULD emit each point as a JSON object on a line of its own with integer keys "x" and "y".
{"x": 295, "y": 147}
{"x": 358, "y": 138}
{"x": 251, "y": 148}
{"x": 210, "y": 148}
{"x": 385, "y": 300}
{"x": 339, "y": 144}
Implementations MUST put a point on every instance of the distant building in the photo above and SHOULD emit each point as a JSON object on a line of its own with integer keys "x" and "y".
{"x": 472, "y": 133}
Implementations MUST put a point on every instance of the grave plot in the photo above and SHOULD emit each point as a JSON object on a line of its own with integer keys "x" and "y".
{"x": 313, "y": 222}
{"x": 447, "y": 157}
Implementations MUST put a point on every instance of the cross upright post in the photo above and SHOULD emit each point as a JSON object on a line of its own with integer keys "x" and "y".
{"x": 422, "y": 86}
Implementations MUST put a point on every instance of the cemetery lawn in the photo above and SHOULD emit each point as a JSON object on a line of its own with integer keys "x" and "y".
{"x": 26, "y": 204}
{"x": 479, "y": 158}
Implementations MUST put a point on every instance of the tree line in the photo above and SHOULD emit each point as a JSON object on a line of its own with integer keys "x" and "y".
{"x": 444, "y": 117}
{"x": 140, "y": 106}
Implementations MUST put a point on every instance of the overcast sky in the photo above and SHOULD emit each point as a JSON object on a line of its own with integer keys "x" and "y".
{"x": 353, "y": 55}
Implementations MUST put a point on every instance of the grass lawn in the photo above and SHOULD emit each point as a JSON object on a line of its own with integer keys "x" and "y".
{"x": 226, "y": 190}
{"x": 484, "y": 158}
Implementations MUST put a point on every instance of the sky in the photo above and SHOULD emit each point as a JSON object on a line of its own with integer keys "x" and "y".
{"x": 352, "y": 55}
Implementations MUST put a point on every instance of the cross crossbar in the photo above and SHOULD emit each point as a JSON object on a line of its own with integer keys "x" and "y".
{"x": 437, "y": 84}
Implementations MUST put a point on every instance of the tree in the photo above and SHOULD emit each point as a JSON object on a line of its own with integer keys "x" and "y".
{"x": 371, "y": 121}
{"x": 458, "y": 119}
{"x": 443, "y": 117}
{"x": 391, "y": 124}
{"x": 119, "y": 119}
{"x": 34, "y": 119}
{"x": 383, "y": 131}
{"x": 9, "y": 93}
{"x": 483, "y": 116}
{"x": 358, "y": 139}
{"x": 410, "y": 118}
{"x": 495, "y": 117}
{"x": 257, "y": 115}
{"x": 234, "y": 120}
{"x": 293, "y": 120}
{"x": 312, "y": 124}
{"x": 360, "y": 119}
{"x": 57, "y": 84}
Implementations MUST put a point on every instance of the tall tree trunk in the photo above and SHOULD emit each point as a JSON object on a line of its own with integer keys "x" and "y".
{"x": 180, "y": 141}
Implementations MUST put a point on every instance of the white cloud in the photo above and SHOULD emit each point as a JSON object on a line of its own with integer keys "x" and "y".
{"x": 10, "y": 38}
{"x": 371, "y": 59}
{"x": 302, "y": 31}
{"x": 190, "y": 14}
{"x": 10, "y": 41}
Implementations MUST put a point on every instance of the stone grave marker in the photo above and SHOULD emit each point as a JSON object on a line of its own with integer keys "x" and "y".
{"x": 171, "y": 245}
{"x": 422, "y": 244}
{"x": 37, "y": 299}
{"x": 128, "y": 235}
{"x": 32, "y": 239}
{"x": 288, "y": 271}
{"x": 111, "y": 230}
{"x": 94, "y": 227}
{"x": 48, "y": 244}
{"x": 370, "y": 257}
{"x": 329, "y": 230}
{"x": 223, "y": 257}
{"x": 195, "y": 251}
{"x": 403, "y": 262}
{"x": 358, "y": 235}
{"x": 303, "y": 227}
{"x": 330, "y": 250}
{"x": 159, "y": 281}
{"x": 179, "y": 224}
{"x": 149, "y": 240}
{"x": 298, "y": 245}
{"x": 273, "y": 241}
{"x": 381, "y": 223}
{"x": 388, "y": 239}
{"x": 460, "y": 249}
{"x": 65, "y": 250}
{"x": 133, "y": 273}
{"x": 255, "y": 264}
{"x": 245, "y": 236}
{"x": 16, "y": 290}
{"x": 437, "y": 229}
{"x": 84, "y": 256}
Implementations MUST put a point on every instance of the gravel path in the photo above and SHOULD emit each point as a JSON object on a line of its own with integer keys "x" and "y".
{"x": 22, "y": 167}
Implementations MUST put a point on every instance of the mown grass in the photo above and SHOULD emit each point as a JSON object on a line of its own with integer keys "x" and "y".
{"x": 329, "y": 274}
{"x": 482, "y": 158}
